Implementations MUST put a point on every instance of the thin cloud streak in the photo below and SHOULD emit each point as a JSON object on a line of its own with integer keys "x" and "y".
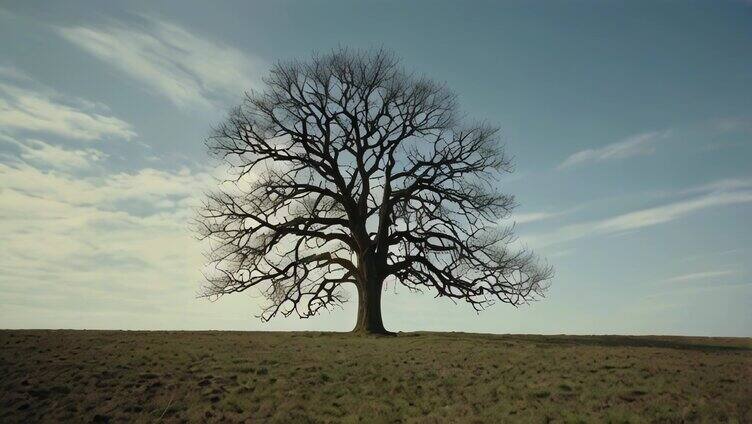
{"x": 40, "y": 153}
{"x": 40, "y": 111}
{"x": 640, "y": 144}
{"x": 188, "y": 70}
{"x": 722, "y": 185}
{"x": 526, "y": 218}
{"x": 670, "y": 212}
{"x": 640, "y": 219}
{"x": 707, "y": 275}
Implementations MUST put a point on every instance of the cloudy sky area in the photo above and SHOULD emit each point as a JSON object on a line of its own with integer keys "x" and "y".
{"x": 631, "y": 126}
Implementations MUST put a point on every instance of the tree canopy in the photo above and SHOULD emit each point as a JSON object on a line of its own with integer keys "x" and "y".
{"x": 347, "y": 169}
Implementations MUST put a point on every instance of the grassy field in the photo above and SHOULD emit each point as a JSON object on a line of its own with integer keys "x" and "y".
{"x": 112, "y": 376}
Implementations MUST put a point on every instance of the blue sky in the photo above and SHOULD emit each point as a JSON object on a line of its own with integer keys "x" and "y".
{"x": 630, "y": 123}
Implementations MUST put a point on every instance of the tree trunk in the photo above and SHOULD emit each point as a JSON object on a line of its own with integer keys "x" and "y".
{"x": 369, "y": 308}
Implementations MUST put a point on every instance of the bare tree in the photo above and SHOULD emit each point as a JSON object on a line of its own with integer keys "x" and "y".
{"x": 349, "y": 170}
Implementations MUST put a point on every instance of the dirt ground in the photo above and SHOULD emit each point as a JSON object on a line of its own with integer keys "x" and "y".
{"x": 118, "y": 376}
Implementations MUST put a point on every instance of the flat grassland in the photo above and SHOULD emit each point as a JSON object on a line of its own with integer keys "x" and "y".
{"x": 117, "y": 376}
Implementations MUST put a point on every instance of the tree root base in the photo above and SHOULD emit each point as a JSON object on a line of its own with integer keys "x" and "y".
{"x": 363, "y": 332}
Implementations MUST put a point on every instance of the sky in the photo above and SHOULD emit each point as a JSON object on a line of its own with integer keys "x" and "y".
{"x": 630, "y": 124}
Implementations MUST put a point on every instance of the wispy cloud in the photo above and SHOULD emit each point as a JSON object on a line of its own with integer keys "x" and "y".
{"x": 642, "y": 218}
{"x": 147, "y": 187}
{"x": 731, "y": 124}
{"x": 636, "y": 145}
{"x": 43, "y": 111}
{"x": 706, "y": 275}
{"x": 706, "y": 254}
{"x": 658, "y": 215}
{"x": 66, "y": 235}
{"x": 119, "y": 240}
{"x": 526, "y": 218}
{"x": 722, "y": 185}
{"x": 10, "y": 72}
{"x": 52, "y": 156}
{"x": 187, "y": 69}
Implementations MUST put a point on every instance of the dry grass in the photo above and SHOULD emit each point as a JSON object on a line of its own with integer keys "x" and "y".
{"x": 102, "y": 376}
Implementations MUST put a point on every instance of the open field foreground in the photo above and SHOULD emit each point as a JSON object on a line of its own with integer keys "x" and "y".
{"x": 112, "y": 376}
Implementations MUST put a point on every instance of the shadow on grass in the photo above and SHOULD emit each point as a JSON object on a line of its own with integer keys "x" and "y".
{"x": 683, "y": 343}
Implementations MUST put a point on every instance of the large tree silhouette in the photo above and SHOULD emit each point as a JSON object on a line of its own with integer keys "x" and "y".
{"x": 349, "y": 170}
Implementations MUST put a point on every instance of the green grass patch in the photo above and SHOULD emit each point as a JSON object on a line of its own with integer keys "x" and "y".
{"x": 112, "y": 376}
